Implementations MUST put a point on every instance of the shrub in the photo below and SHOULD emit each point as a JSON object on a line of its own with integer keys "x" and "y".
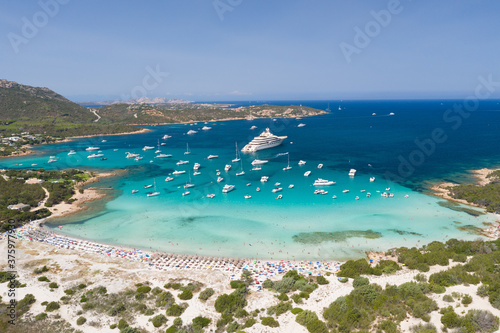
{"x": 144, "y": 289}
{"x": 82, "y": 286}
{"x": 122, "y": 324}
{"x": 296, "y": 310}
{"x": 296, "y": 298}
{"x": 241, "y": 313}
{"x": 171, "y": 329}
{"x": 186, "y": 294}
{"x": 231, "y": 302}
{"x": 200, "y": 322}
{"x": 305, "y": 317}
{"x": 448, "y": 298}
{"x": 149, "y": 312}
{"x": 280, "y": 308}
{"x": 481, "y": 321}
{"x": 237, "y": 284}
{"x": 426, "y": 328}
{"x": 283, "y": 297}
{"x": 421, "y": 278}
{"x": 81, "y": 321}
{"x": 483, "y": 290}
{"x": 69, "y": 292}
{"x": 52, "y": 306}
{"x": 43, "y": 278}
{"x": 467, "y": 299}
{"x": 353, "y": 268}
{"x": 322, "y": 280}
{"x": 176, "y": 286}
{"x": 267, "y": 284}
{"x": 164, "y": 299}
{"x": 343, "y": 280}
{"x": 269, "y": 321}
{"x": 178, "y": 322}
{"x": 41, "y": 316}
{"x": 249, "y": 323}
{"x": 206, "y": 294}
{"x": 159, "y": 320}
{"x": 116, "y": 309}
{"x": 41, "y": 270}
{"x": 25, "y": 304}
{"x": 360, "y": 281}
{"x": 53, "y": 285}
{"x": 175, "y": 310}
{"x": 317, "y": 326}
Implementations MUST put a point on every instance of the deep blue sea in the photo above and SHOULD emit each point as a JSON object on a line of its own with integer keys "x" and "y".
{"x": 404, "y": 144}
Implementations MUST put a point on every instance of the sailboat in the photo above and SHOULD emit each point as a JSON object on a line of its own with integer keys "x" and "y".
{"x": 288, "y": 167}
{"x": 188, "y": 184}
{"x": 328, "y": 108}
{"x": 158, "y": 150}
{"x": 237, "y": 158}
{"x": 187, "y": 152}
{"x": 155, "y": 193}
{"x": 241, "y": 173}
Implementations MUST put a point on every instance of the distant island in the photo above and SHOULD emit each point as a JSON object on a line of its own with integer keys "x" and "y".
{"x": 34, "y": 115}
{"x": 146, "y": 100}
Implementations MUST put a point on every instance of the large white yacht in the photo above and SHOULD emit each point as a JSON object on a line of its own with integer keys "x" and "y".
{"x": 323, "y": 182}
{"x": 227, "y": 188}
{"x": 264, "y": 141}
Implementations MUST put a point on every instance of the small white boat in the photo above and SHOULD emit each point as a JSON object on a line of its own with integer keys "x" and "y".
{"x": 187, "y": 152}
{"x": 249, "y": 184}
{"x": 163, "y": 144}
{"x": 277, "y": 184}
{"x": 72, "y": 152}
{"x": 362, "y": 191}
{"x": 212, "y": 156}
{"x": 391, "y": 114}
{"x": 241, "y": 173}
{"x": 196, "y": 173}
{"x": 196, "y": 166}
{"x": 95, "y": 155}
{"x": 237, "y": 158}
{"x": 135, "y": 191}
{"x": 352, "y": 172}
{"x": 227, "y": 167}
{"x": 181, "y": 162}
{"x": 138, "y": 158}
{"x": 34, "y": 164}
{"x": 211, "y": 195}
{"x": 163, "y": 155}
{"x": 301, "y": 125}
{"x": 277, "y": 189}
{"x": 185, "y": 193}
{"x": 279, "y": 196}
{"x": 130, "y": 155}
{"x": 302, "y": 162}
{"x": 368, "y": 194}
{"x": 253, "y": 127}
{"x": 103, "y": 140}
{"x": 259, "y": 162}
{"x": 258, "y": 189}
{"x": 247, "y": 196}
{"x": 256, "y": 168}
{"x": 320, "y": 166}
{"x": 264, "y": 179}
{"x": 192, "y": 132}
{"x": 374, "y": 114}
{"x": 188, "y": 185}
{"x": 407, "y": 196}
{"x": 372, "y": 179}
{"x": 387, "y": 189}
{"x": 153, "y": 194}
{"x": 158, "y": 151}
{"x": 291, "y": 186}
{"x": 165, "y": 137}
{"x": 147, "y": 186}
{"x": 92, "y": 148}
{"x": 323, "y": 192}
{"x": 220, "y": 179}
{"x": 169, "y": 179}
{"x": 345, "y": 191}
{"x": 307, "y": 173}
{"x": 218, "y": 173}
{"x": 357, "y": 198}
{"x": 206, "y": 128}
{"x": 178, "y": 172}
{"x": 148, "y": 148}
{"x": 334, "y": 197}
{"x": 52, "y": 160}
{"x": 227, "y": 188}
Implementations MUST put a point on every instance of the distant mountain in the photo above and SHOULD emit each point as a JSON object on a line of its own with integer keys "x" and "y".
{"x": 42, "y": 111}
{"x": 141, "y": 100}
{"x": 22, "y": 102}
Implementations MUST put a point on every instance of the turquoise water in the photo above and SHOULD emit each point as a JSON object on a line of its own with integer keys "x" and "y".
{"x": 301, "y": 225}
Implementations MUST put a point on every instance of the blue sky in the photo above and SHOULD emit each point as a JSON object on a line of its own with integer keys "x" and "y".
{"x": 279, "y": 49}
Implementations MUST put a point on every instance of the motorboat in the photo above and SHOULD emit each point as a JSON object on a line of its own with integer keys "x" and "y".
{"x": 279, "y": 196}
{"x": 153, "y": 194}
{"x": 323, "y": 192}
{"x": 253, "y": 127}
{"x": 247, "y": 196}
{"x": 163, "y": 155}
{"x": 192, "y": 132}
{"x": 148, "y": 148}
{"x": 320, "y": 166}
{"x": 368, "y": 194}
{"x": 307, "y": 173}
{"x": 291, "y": 186}
{"x": 147, "y": 186}
{"x": 301, "y": 125}
{"x": 169, "y": 179}
{"x": 211, "y": 195}
{"x": 92, "y": 148}
{"x": 357, "y": 198}
{"x": 265, "y": 140}
{"x": 264, "y": 179}
{"x": 334, "y": 197}
{"x": 135, "y": 191}
{"x": 256, "y": 168}
{"x": 131, "y": 155}
{"x": 277, "y": 189}
{"x": 277, "y": 184}
{"x": 241, "y": 173}
{"x": 196, "y": 166}
{"x": 52, "y": 160}
{"x": 220, "y": 179}
{"x": 258, "y": 189}
{"x": 95, "y": 155}
{"x": 206, "y": 128}
{"x": 138, "y": 158}
{"x": 227, "y": 167}
{"x": 72, "y": 152}
{"x": 196, "y": 173}
{"x": 372, "y": 179}
{"x": 302, "y": 162}
{"x": 166, "y": 136}
{"x": 227, "y": 188}
{"x": 181, "y": 162}
{"x": 212, "y": 156}
{"x": 259, "y": 162}
{"x": 345, "y": 191}
{"x": 178, "y": 172}
{"x": 352, "y": 172}
{"x": 185, "y": 193}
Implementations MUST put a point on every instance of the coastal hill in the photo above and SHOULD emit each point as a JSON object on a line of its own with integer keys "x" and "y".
{"x": 42, "y": 111}
{"x": 142, "y": 114}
